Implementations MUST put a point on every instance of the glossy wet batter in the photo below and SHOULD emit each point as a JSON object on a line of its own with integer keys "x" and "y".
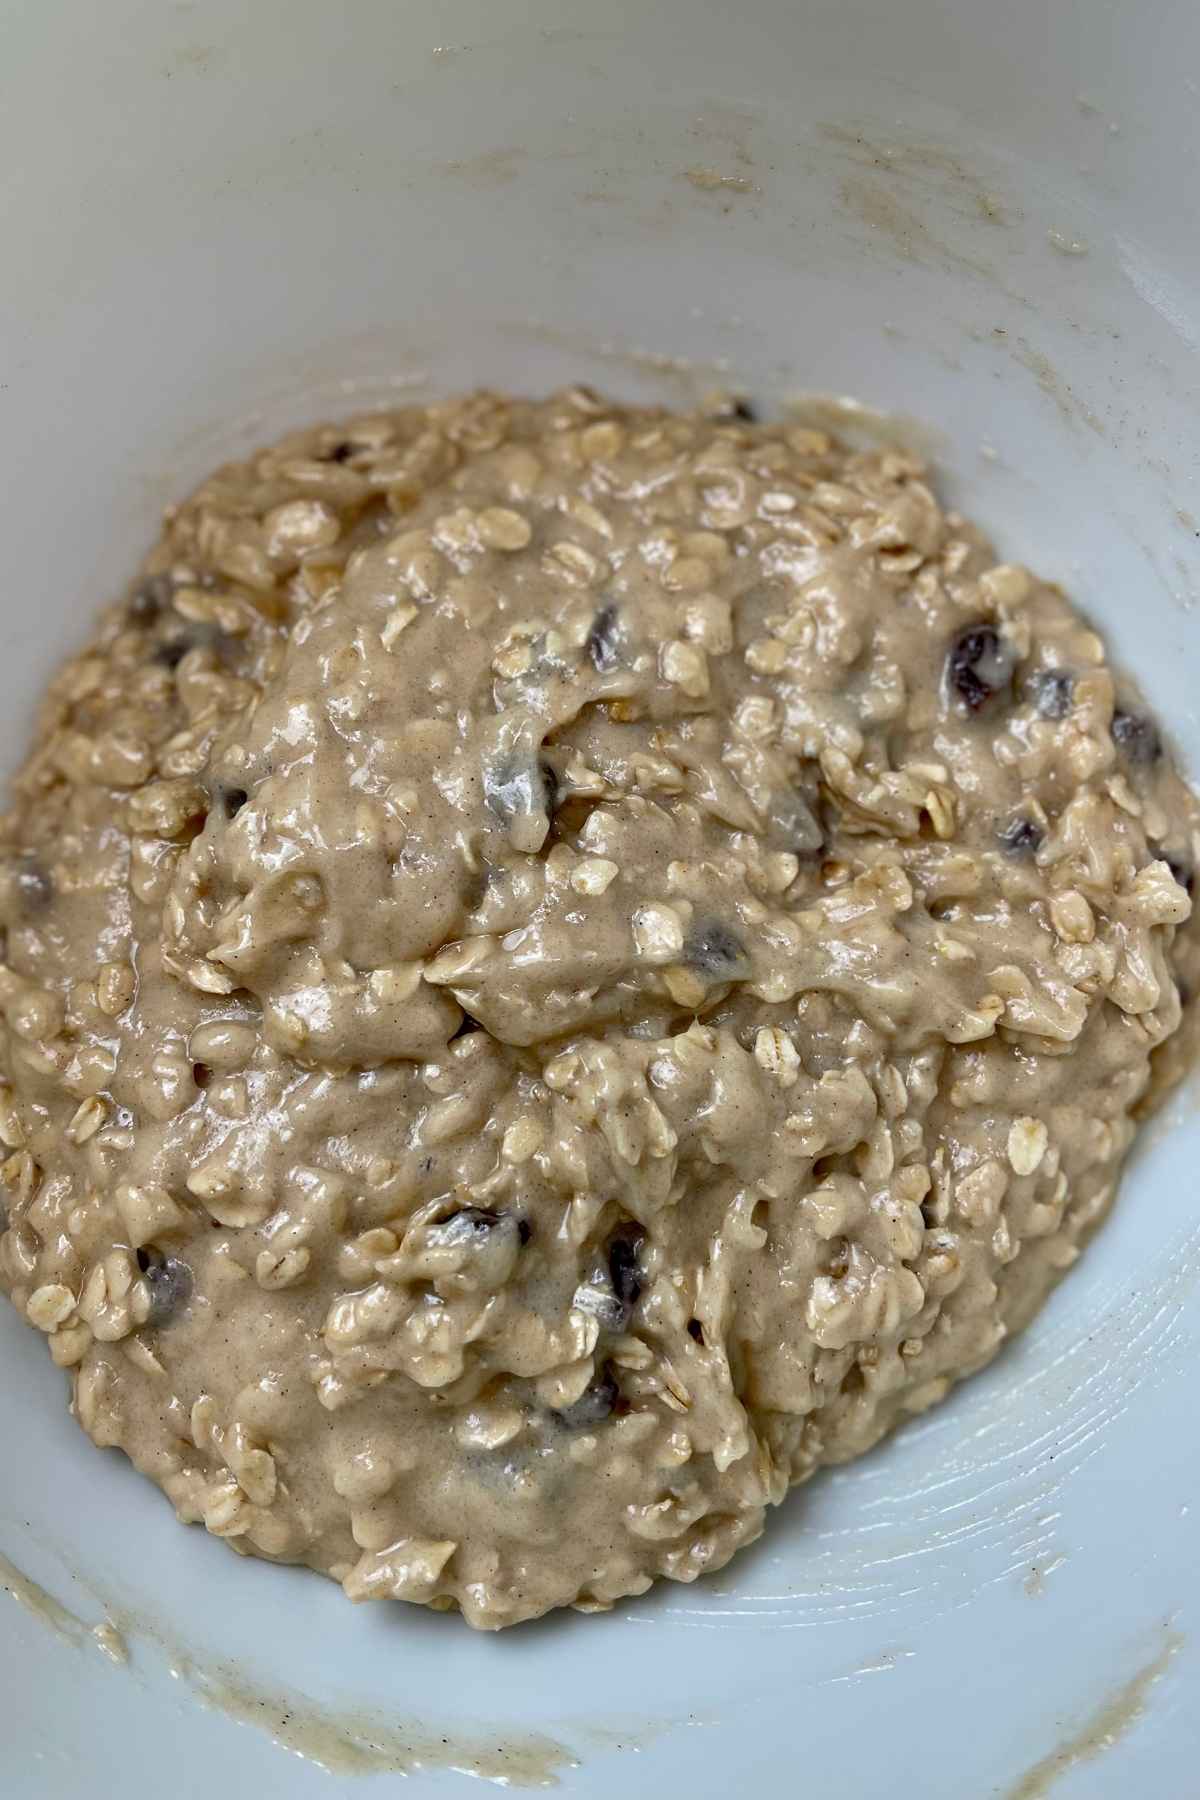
{"x": 566, "y": 967}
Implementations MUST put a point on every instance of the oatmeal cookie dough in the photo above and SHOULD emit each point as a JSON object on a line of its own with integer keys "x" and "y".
{"x": 565, "y": 967}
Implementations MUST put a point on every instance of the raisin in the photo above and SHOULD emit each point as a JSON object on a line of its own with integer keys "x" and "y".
{"x": 472, "y": 1224}
{"x": 602, "y": 640}
{"x": 550, "y": 786}
{"x": 623, "y": 1269}
{"x": 34, "y": 887}
{"x": 737, "y": 407}
{"x": 171, "y": 655}
{"x": 469, "y": 1220}
{"x": 1182, "y": 872}
{"x": 195, "y": 636}
{"x": 1053, "y": 693}
{"x": 1021, "y": 837}
{"x": 149, "y": 598}
{"x": 695, "y": 1330}
{"x": 1138, "y": 737}
{"x": 793, "y": 825}
{"x": 341, "y": 453}
{"x": 979, "y": 665}
{"x": 596, "y": 1403}
{"x": 170, "y": 1284}
{"x": 714, "y": 950}
{"x": 520, "y": 784}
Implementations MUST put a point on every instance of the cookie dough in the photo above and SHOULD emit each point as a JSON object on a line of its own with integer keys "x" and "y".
{"x": 565, "y": 967}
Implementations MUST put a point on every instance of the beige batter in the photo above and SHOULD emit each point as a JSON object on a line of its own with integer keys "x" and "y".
{"x": 566, "y": 967}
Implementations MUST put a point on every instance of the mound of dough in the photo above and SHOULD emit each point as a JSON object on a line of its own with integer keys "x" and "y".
{"x": 565, "y": 967}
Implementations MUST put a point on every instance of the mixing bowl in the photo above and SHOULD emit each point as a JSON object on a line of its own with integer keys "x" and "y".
{"x": 221, "y": 220}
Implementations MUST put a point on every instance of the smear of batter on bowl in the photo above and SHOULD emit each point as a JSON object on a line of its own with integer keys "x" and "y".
{"x": 1113, "y": 1719}
{"x": 344, "y": 1741}
{"x": 567, "y": 966}
{"x": 362, "y": 1744}
{"x": 59, "y": 1619}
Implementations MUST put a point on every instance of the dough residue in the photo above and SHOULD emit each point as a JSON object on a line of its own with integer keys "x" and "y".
{"x": 59, "y": 1619}
{"x": 1113, "y": 1718}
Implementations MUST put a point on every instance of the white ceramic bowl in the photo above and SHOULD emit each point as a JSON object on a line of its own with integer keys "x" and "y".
{"x": 224, "y": 219}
